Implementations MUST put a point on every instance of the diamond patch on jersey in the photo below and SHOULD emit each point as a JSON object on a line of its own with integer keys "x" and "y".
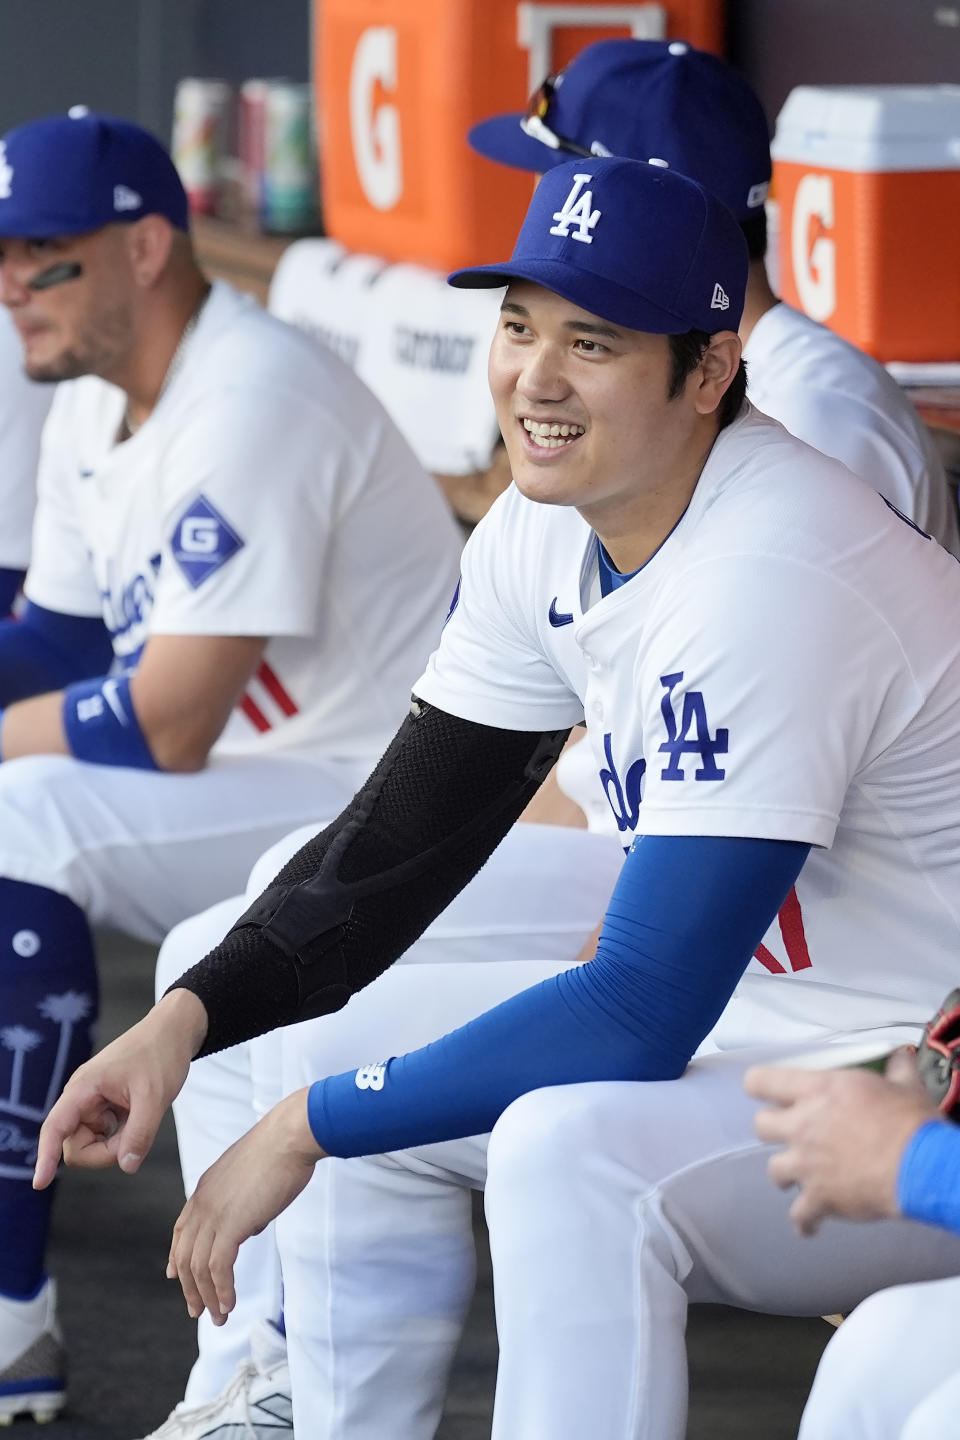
{"x": 203, "y": 541}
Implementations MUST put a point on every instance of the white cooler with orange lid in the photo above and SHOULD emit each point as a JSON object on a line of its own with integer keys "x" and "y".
{"x": 867, "y": 178}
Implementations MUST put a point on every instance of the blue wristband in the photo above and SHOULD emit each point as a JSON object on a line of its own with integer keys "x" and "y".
{"x": 928, "y": 1181}
{"x": 101, "y": 724}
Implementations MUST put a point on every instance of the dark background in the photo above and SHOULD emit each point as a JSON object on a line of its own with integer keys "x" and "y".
{"x": 127, "y": 55}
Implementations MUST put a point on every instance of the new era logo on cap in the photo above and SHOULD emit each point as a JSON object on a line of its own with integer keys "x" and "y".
{"x": 721, "y": 300}
{"x": 577, "y": 210}
{"x": 6, "y": 173}
{"x": 126, "y": 199}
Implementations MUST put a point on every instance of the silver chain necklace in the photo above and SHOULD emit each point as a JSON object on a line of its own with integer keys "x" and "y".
{"x": 129, "y": 426}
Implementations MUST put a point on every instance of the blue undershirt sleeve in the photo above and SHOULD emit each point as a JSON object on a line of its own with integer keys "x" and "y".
{"x": 45, "y": 650}
{"x": 686, "y": 916}
{"x": 10, "y": 582}
{"x": 928, "y": 1182}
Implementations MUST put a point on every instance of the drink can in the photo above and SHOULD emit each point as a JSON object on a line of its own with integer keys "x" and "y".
{"x": 288, "y": 200}
{"x": 251, "y": 139}
{"x": 200, "y": 114}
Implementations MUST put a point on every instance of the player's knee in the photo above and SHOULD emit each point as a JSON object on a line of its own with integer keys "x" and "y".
{"x": 935, "y": 1415}
{"x": 536, "y": 1135}
{"x": 37, "y": 840}
{"x": 866, "y": 1345}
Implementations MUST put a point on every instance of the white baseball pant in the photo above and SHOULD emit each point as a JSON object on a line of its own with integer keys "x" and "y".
{"x": 892, "y": 1370}
{"x": 540, "y": 897}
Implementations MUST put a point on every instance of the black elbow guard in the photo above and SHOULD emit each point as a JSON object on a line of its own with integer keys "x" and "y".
{"x": 357, "y": 896}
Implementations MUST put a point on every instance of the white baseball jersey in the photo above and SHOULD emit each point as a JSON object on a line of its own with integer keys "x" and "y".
{"x": 23, "y": 409}
{"x": 786, "y": 666}
{"x": 267, "y": 494}
{"x": 844, "y": 403}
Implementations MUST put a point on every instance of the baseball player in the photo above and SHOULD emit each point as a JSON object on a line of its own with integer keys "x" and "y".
{"x": 23, "y": 409}
{"x": 237, "y": 564}
{"x": 766, "y": 658}
{"x": 674, "y": 105}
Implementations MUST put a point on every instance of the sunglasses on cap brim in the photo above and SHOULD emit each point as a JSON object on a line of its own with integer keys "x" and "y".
{"x": 534, "y": 123}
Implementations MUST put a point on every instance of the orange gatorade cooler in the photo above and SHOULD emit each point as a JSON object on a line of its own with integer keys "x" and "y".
{"x": 399, "y": 84}
{"x": 867, "y": 179}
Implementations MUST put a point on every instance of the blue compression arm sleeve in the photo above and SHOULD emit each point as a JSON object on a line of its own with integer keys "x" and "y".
{"x": 45, "y": 650}
{"x": 928, "y": 1182}
{"x": 10, "y": 582}
{"x": 685, "y": 918}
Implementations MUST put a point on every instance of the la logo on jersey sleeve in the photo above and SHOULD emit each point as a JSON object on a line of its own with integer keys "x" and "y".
{"x": 203, "y": 541}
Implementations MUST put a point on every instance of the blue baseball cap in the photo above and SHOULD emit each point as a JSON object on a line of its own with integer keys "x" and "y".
{"x": 636, "y": 244}
{"x": 68, "y": 174}
{"x": 649, "y": 100}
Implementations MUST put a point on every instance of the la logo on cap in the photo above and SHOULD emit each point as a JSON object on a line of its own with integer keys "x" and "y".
{"x": 577, "y": 210}
{"x": 6, "y": 173}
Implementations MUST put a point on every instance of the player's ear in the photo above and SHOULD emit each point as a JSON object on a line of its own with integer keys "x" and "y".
{"x": 149, "y": 242}
{"x": 717, "y": 370}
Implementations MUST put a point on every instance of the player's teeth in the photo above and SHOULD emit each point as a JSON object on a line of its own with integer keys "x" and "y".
{"x": 549, "y": 436}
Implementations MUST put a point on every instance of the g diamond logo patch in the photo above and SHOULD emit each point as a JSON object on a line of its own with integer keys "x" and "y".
{"x": 577, "y": 210}
{"x": 203, "y": 541}
{"x": 6, "y": 173}
{"x": 721, "y": 300}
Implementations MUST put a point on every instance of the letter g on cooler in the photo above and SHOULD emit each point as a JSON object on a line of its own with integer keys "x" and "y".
{"x": 375, "y": 129}
{"x": 814, "y": 266}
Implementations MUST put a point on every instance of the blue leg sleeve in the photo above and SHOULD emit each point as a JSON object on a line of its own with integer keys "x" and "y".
{"x": 48, "y": 1004}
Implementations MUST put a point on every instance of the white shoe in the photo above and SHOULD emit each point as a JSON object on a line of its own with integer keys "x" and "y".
{"x": 32, "y": 1368}
{"x": 255, "y": 1405}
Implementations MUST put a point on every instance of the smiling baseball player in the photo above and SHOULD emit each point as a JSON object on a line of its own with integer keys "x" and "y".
{"x": 237, "y": 565}
{"x": 675, "y": 105}
{"x": 768, "y": 663}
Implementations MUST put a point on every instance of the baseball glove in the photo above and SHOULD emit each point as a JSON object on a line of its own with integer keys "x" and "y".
{"x": 938, "y": 1056}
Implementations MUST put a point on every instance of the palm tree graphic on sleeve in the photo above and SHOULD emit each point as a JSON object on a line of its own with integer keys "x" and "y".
{"x": 21, "y": 1041}
{"x": 65, "y": 1011}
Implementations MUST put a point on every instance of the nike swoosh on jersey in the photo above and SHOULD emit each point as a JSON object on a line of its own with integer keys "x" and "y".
{"x": 558, "y": 617}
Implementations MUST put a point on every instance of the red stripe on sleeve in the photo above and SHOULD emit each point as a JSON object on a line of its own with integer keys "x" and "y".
{"x": 276, "y": 691}
{"x": 794, "y": 936}
{"x": 254, "y": 714}
{"x": 770, "y": 961}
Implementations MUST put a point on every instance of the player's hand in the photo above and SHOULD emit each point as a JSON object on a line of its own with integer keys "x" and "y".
{"x": 844, "y": 1132}
{"x": 111, "y": 1107}
{"x": 238, "y": 1197}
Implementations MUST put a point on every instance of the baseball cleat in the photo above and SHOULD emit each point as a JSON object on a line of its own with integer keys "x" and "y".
{"x": 32, "y": 1364}
{"x": 255, "y": 1405}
